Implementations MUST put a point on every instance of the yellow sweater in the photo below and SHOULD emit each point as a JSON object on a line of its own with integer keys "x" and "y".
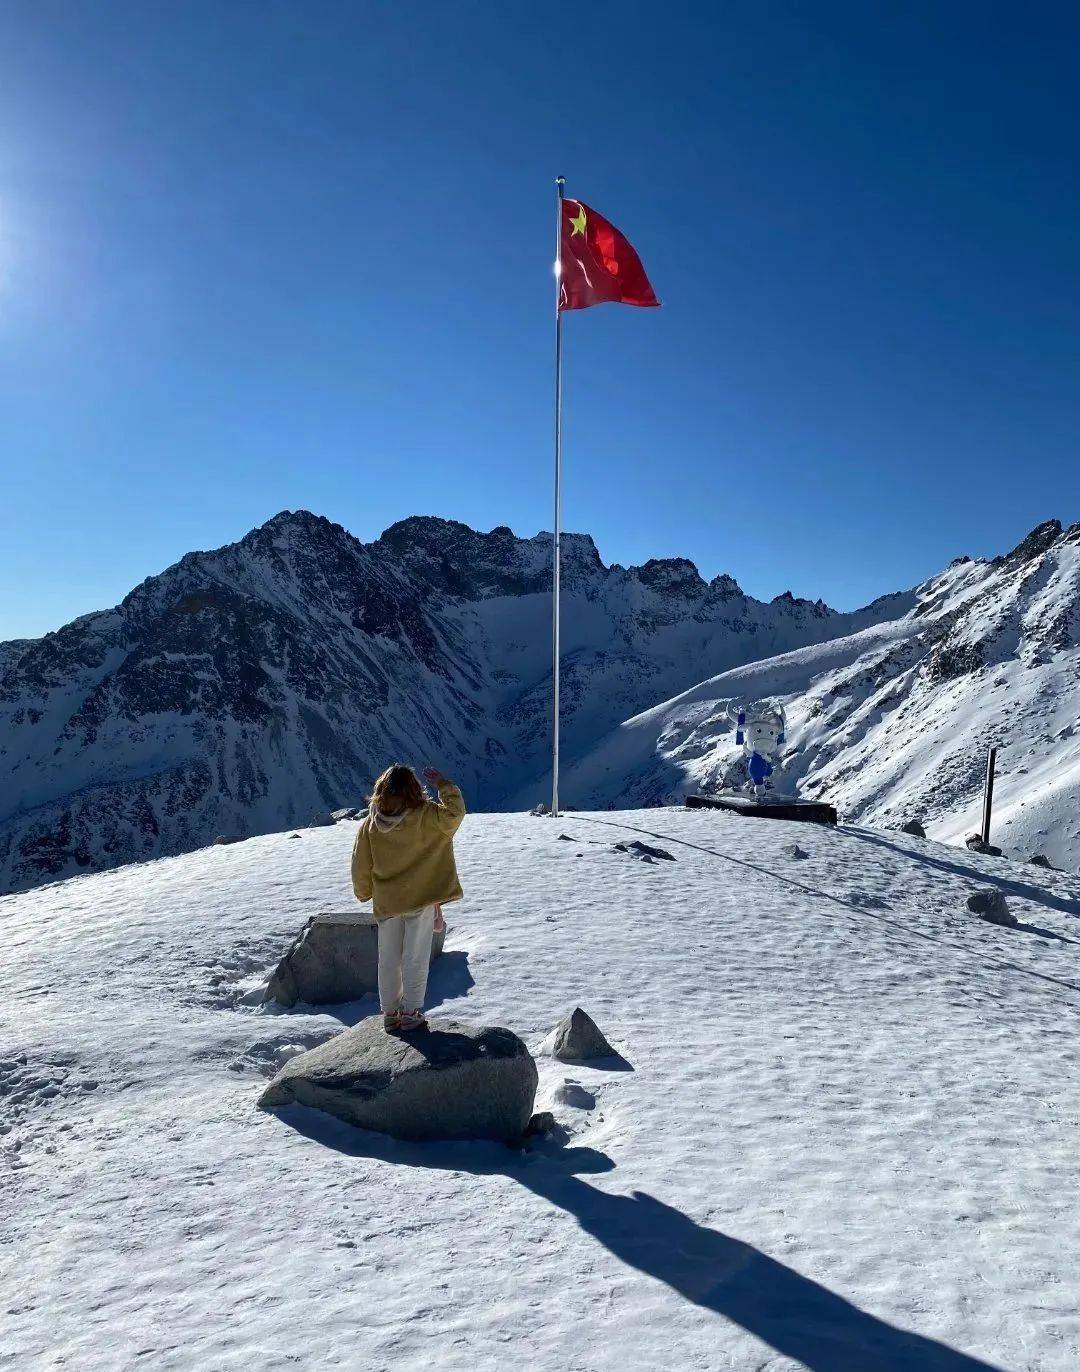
{"x": 407, "y": 863}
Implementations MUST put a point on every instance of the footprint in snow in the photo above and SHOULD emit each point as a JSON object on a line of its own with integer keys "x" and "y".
{"x": 268, "y": 1055}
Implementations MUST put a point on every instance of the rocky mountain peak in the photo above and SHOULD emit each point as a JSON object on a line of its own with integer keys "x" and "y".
{"x": 725, "y": 587}
{"x": 672, "y": 576}
{"x": 1041, "y": 538}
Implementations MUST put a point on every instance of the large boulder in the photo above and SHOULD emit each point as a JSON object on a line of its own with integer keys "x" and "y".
{"x": 335, "y": 958}
{"x": 452, "y": 1081}
{"x": 577, "y": 1039}
{"x": 914, "y": 828}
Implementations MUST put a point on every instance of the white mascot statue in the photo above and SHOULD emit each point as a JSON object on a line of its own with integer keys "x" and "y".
{"x": 759, "y": 731}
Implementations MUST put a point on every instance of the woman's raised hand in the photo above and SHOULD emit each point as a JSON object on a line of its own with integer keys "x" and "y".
{"x": 433, "y": 776}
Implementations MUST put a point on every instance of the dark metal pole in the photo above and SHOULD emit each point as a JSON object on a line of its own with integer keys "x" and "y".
{"x": 988, "y": 793}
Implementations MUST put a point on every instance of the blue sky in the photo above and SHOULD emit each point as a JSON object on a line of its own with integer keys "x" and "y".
{"x": 263, "y": 255}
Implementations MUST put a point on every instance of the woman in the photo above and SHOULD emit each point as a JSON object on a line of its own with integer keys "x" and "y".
{"x": 403, "y": 861}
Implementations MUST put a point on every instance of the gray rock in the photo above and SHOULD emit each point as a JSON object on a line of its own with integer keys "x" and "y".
{"x": 990, "y": 904}
{"x": 975, "y": 843}
{"x": 227, "y": 838}
{"x": 322, "y": 821}
{"x": 1041, "y": 860}
{"x": 452, "y": 1081}
{"x": 577, "y": 1039}
{"x": 335, "y": 958}
{"x": 794, "y": 851}
{"x": 914, "y": 828}
{"x": 348, "y": 812}
{"x": 541, "y": 1123}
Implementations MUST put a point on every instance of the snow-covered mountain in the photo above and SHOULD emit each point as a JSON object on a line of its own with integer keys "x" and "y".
{"x": 893, "y": 722}
{"x": 245, "y": 689}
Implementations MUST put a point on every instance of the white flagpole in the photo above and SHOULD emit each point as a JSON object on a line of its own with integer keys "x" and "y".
{"x": 560, "y": 182}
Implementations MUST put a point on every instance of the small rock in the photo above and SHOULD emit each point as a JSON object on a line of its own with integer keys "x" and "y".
{"x": 990, "y": 904}
{"x": 540, "y": 809}
{"x": 565, "y": 838}
{"x": 294, "y": 835}
{"x": 643, "y": 851}
{"x": 577, "y": 1039}
{"x": 347, "y": 812}
{"x": 975, "y": 843}
{"x": 1041, "y": 860}
{"x": 794, "y": 851}
{"x": 543, "y": 1122}
{"x": 227, "y": 838}
{"x": 914, "y": 828}
{"x": 322, "y": 821}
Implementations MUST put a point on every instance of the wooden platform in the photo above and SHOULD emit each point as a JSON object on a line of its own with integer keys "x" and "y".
{"x": 808, "y": 811}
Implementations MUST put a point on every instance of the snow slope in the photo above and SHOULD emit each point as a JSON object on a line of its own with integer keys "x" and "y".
{"x": 847, "y": 1143}
{"x": 893, "y": 723}
{"x": 246, "y": 689}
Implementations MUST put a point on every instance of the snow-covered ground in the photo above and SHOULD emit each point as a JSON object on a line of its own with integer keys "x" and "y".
{"x": 847, "y": 1142}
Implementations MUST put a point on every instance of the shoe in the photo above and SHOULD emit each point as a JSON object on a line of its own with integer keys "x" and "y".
{"x": 391, "y": 1023}
{"x": 412, "y": 1019}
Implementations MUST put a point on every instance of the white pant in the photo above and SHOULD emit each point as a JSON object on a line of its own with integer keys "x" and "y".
{"x": 404, "y": 959}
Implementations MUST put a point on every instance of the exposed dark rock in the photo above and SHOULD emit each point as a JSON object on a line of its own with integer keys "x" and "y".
{"x": 227, "y": 838}
{"x": 644, "y": 851}
{"x": 975, "y": 843}
{"x": 914, "y": 828}
{"x": 1041, "y": 860}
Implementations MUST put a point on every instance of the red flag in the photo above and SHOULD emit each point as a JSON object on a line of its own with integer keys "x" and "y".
{"x": 598, "y": 264}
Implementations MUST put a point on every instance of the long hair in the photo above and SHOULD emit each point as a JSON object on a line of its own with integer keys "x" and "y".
{"x": 396, "y": 790}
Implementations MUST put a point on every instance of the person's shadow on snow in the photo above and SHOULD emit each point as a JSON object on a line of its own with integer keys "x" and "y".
{"x": 792, "y": 1314}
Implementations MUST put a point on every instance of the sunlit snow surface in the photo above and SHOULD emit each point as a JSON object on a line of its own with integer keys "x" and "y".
{"x": 853, "y": 1112}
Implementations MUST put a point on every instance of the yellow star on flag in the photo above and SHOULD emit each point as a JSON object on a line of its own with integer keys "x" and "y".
{"x": 577, "y": 224}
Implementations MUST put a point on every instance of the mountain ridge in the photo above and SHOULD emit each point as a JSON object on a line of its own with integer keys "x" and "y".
{"x": 246, "y": 687}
